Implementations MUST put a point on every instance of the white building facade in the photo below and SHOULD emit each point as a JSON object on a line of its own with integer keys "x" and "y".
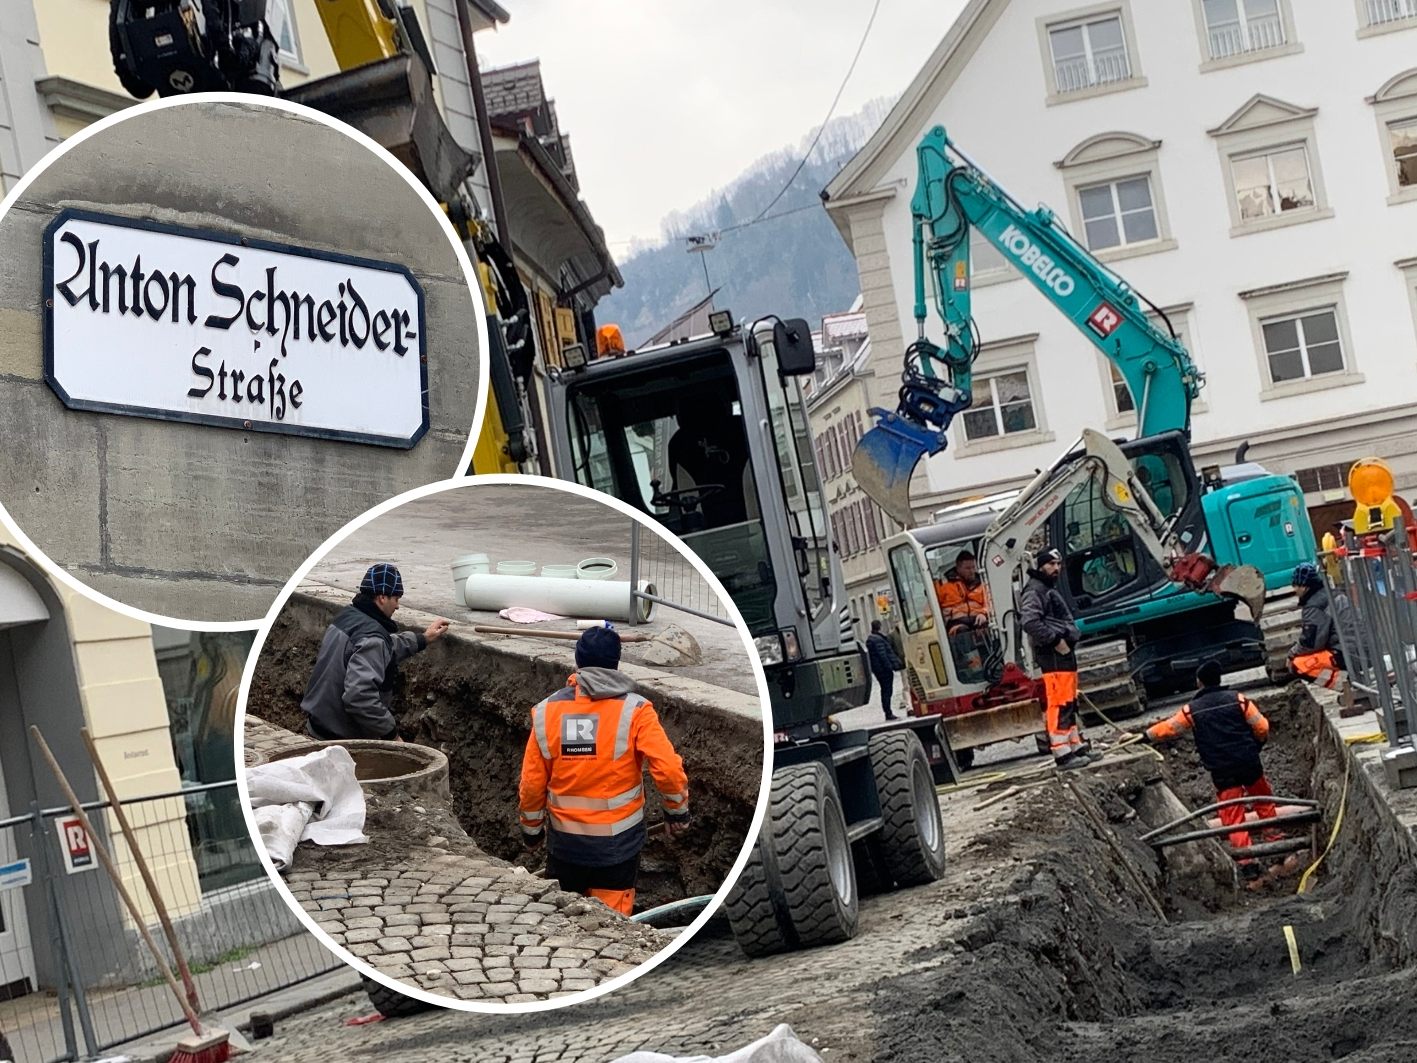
{"x": 1249, "y": 165}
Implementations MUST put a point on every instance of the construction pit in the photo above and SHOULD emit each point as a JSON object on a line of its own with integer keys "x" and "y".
{"x": 444, "y": 895}
{"x": 1043, "y": 940}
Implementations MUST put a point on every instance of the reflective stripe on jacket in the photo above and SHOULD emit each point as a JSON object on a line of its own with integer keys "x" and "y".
{"x": 960, "y": 601}
{"x": 1229, "y": 730}
{"x": 583, "y": 769}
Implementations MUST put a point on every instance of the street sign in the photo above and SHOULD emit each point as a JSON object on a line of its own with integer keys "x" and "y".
{"x": 179, "y": 324}
{"x": 74, "y": 844}
{"x": 15, "y": 875}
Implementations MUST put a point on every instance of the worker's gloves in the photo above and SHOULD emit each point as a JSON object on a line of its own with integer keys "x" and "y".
{"x": 677, "y": 823}
{"x": 533, "y": 841}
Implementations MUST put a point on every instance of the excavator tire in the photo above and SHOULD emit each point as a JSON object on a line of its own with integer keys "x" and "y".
{"x": 390, "y": 1003}
{"x": 1106, "y": 683}
{"x": 912, "y": 837}
{"x": 1280, "y": 624}
{"x": 798, "y": 888}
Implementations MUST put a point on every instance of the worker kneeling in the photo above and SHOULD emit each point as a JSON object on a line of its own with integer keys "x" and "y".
{"x": 1316, "y": 657}
{"x": 582, "y": 783}
{"x": 1229, "y": 730}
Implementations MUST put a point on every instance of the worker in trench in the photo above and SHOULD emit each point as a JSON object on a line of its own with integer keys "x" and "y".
{"x": 1048, "y": 622}
{"x": 1316, "y": 657}
{"x": 582, "y": 781}
{"x": 1229, "y": 730}
{"x": 356, "y": 675}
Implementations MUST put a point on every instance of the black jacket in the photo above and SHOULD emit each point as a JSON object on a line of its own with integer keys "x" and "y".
{"x": 1224, "y": 738}
{"x": 351, "y": 688}
{"x": 1317, "y": 632}
{"x": 884, "y": 661}
{"x": 1046, "y": 618}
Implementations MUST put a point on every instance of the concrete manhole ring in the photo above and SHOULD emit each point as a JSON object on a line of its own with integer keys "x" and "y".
{"x": 383, "y": 767}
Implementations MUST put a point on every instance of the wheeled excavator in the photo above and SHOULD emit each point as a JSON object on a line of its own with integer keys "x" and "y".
{"x": 385, "y": 90}
{"x": 1142, "y": 630}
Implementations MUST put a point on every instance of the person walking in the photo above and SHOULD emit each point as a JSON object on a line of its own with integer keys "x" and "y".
{"x": 885, "y": 663}
{"x": 582, "y": 778}
{"x": 1229, "y": 730}
{"x": 356, "y": 675}
{"x": 1048, "y": 623}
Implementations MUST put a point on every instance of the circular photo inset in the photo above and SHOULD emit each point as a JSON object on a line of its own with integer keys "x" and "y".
{"x": 232, "y": 324}
{"x": 505, "y": 745}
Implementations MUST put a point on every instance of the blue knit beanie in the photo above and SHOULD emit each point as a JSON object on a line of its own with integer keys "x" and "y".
{"x": 382, "y": 579}
{"x": 599, "y": 647}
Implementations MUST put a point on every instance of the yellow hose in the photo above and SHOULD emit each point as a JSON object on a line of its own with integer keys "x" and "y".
{"x": 1333, "y": 835}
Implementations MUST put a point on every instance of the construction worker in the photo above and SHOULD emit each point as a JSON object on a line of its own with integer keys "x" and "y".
{"x": 885, "y": 663}
{"x": 1229, "y": 730}
{"x": 582, "y": 785}
{"x": 1332, "y": 540}
{"x": 1048, "y": 622}
{"x": 964, "y": 601}
{"x": 356, "y": 675}
{"x": 1316, "y": 657}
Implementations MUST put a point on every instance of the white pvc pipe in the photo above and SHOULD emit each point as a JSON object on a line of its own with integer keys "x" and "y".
{"x": 601, "y": 599}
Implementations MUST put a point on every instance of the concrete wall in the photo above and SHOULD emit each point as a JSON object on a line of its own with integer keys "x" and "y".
{"x": 193, "y": 521}
{"x": 999, "y": 89}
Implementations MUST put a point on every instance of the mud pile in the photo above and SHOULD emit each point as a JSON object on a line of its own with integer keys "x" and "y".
{"x": 473, "y": 703}
{"x": 1071, "y": 961}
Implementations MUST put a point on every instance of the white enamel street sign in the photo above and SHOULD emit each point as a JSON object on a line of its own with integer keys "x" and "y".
{"x": 179, "y": 324}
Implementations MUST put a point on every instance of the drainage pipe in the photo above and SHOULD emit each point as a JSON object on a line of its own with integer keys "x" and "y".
{"x": 592, "y": 598}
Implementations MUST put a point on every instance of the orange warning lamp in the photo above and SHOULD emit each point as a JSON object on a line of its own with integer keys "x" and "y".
{"x": 609, "y": 341}
{"x": 1370, "y": 482}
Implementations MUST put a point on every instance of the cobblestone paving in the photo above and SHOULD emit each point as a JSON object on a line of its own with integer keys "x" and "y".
{"x": 707, "y": 998}
{"x": 422, "y": 904}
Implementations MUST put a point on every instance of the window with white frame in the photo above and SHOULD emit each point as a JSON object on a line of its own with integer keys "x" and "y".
{"x": 1002, "y": 406}
{"x": 1236, "y": 27}
{"x": 1386, "y": 12}
{"x": 1302, "y": 345}
{"x": 1402, "y": 138}
{"x": 1119, "y": 212}
{"x": 985, "y": 260}
{"x": 1089, "y": 52}
{"x": 282, "y": 20}
{"x": 1272, "y": 181}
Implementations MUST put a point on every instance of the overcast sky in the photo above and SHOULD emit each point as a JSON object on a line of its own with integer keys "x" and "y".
{"x": 667, "y": 100}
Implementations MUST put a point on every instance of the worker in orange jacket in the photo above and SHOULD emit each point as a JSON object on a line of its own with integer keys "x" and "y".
{"x": 582, "y": 781}
{"x": 1229, "y": 730}
{"x": 964, "y": 600}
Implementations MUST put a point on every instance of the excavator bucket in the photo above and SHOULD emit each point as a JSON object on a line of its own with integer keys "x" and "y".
{"x": 391, "y": 102}
{"x": 885, "y": 458}
{"x": 1242, "y": 583}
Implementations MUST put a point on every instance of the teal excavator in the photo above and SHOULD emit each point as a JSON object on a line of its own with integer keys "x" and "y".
{"x": 1232, "y": 518}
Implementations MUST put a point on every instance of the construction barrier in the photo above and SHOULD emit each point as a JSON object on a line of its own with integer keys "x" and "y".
{"x": 75, "y": 978}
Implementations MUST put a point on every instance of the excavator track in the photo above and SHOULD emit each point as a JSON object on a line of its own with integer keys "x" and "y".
{"x": 1280, "y": 626}
{"x": 1105, "y": 681}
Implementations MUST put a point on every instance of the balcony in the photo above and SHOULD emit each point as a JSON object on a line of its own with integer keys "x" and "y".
{"x": 1082, "y": 72}
{"x": 1253, "y": 35}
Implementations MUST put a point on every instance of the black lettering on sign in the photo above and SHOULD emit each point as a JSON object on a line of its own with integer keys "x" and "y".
{"x": 227, "y": 291}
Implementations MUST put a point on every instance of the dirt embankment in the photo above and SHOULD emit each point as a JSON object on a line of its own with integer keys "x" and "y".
{"x": 1071, "y": 963}
{"x": 473, "y": 702}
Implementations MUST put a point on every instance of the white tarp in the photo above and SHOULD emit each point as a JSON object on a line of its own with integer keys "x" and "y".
{"x": 312, "y": 798}
{"x": 780, "y": 1046}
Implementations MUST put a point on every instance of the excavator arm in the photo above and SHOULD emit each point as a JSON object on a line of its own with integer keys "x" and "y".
{"x": 953, "y": 195}
{"x": 1005, "y": 544}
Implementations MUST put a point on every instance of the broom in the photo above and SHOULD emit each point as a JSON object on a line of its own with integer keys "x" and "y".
{"x": 205, "y": 1046}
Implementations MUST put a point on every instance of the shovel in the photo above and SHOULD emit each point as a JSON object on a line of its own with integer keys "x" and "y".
{"x": 677, "y": 646}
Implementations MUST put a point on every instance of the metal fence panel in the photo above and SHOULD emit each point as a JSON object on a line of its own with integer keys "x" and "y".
{"x": 239, "y": 937}
{"x": 676, "y": 583}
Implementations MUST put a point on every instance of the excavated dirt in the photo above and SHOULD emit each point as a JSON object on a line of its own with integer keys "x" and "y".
{"x": 474, "y": 704}
{"x": 1069, "y": 961}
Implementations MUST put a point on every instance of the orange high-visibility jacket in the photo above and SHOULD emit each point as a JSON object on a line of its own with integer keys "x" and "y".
{"x": 959, "y": 601}
{"x": 583, "y": 769}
